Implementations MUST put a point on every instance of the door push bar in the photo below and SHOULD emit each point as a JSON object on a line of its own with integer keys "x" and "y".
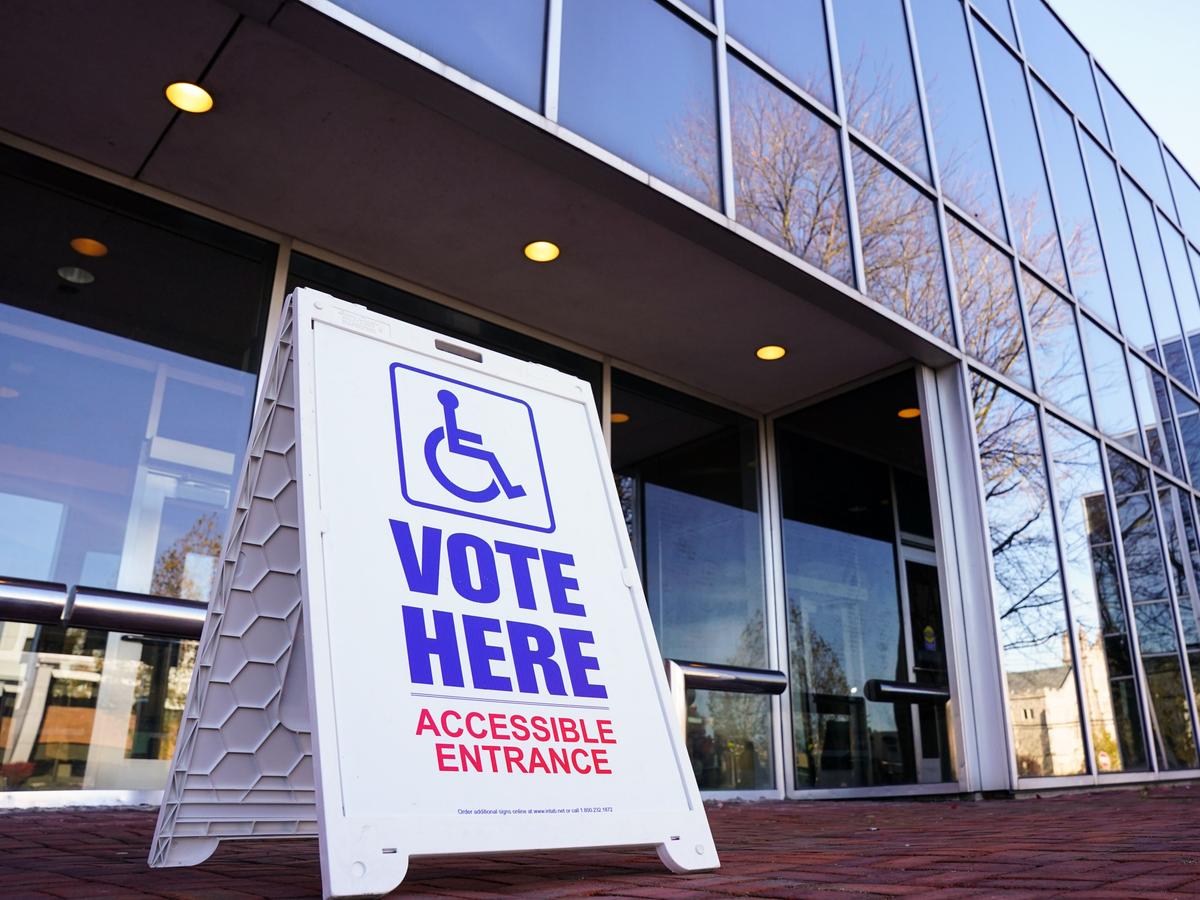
{"x": 50, "y": 603}
{"x": 906, "y": 692}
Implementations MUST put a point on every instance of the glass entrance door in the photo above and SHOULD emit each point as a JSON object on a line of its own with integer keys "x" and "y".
{"x": 927, "y": 639}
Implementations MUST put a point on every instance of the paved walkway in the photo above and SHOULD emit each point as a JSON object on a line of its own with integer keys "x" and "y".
{"x": 1132, "y": 843}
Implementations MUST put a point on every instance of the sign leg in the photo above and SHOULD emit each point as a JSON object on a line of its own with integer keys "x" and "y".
{"x": 689, "y": 853}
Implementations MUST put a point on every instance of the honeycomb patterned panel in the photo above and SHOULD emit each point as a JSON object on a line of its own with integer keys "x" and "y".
{"x": 238, "y": 770}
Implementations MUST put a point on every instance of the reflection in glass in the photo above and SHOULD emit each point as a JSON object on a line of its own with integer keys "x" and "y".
{"x": 687, "y": 474}
{"x": 499, "y": 44}
{"x": 1180, "y": 530}
{"x": 1080, "y": 237}
{"x": 1030, "y": 212}
{"x": 1135, "y": 144}
{"x": 1097, "y": 603}
{"x": 729, "y": 740}
{"x": 845, "y": 620}
{"x": 955, "y": 112}
{"x": 787, "y": 173}
{"x": 1118, "y": 249}
{"x": 902, "y": 254}
{"x": 1150, "y": 398}
{"x": 615, "y": 90}
{"x": 1057, "y": 357}
{"x": 1158, "y": 645}
{"x": 1027, "y": 585}
{"x": 1182, "y": 282}
{"x": 878, "y": 79}
{"x": 997, "y": 14}
{"x": 1189, "y": 431}
{"x": 788, "y": 34}
{"x": 1187, "y": 196}
{"x": 88, "y": 709}
{"x": 1060, "y": 60}
{"x": 1158, "y": 284}
{"x": 987, "y": 300}
{"x": 1111, "y": 395}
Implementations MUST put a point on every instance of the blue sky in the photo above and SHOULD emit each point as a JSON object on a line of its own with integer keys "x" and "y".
{"x": 1151, "y": 49}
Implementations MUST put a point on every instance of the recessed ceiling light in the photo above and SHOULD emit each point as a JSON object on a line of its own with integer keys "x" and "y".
{"x": 75, "y": 275}
{"x": 770, "y": 352}
{"x": 86, "y": 246}
{"x": 189, "y": 97}
{"x": 619, "y": 418}
{"x": 8, "y": 393}
{"x": 542, "y": 251}
{"x": 909, "y": 412}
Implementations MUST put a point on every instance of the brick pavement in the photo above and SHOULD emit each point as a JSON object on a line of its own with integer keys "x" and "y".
{"x": 1128, "y": 843}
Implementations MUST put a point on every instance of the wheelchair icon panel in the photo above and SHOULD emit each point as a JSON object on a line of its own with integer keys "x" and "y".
{"x": 468, "y": 450}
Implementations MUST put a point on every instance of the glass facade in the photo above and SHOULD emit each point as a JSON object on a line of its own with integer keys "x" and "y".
{"x": 962, "y": 163}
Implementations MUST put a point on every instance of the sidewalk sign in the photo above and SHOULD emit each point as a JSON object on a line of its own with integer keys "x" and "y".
{"x": 429, "y": 635}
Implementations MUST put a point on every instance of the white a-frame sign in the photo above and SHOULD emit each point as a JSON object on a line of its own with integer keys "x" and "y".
{"x": 428, "y": 635}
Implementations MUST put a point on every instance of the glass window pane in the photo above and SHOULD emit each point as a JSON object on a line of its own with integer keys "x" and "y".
{"x": 787, "y": 173}
{"x": 1027, "y": 587}
{"x": 1111, "y": 395}
{"x": 1057, "y": 357}
{"x": 1158, "y": 285}
{"x": 500, "y": 44}
{"x": 1135, "y": 145}
{"x": 996, "y": 12}
{"x": 1031, "y": 215}
{"x": 1182, "y": 282}
{"x": 687, "y": 474}
{"x": 704, "y": 7}
{"x": 1157, "y": 641}
{"x": 1118, "y": 248}
{"x": 1189, "y": 431}
{"x": 1192, "y": 332}
{"x": 902, "y": 253}
{"x": 878, "y": 79}
{"x": 729, "y": 741}
{"x": 1150, "y": 397}
{"x": 614, "y": 90}
{"x": 1180, "y": 532}
{"x": 1187, "y": 196}
{"x": 987, "y": 299}
{"x": 1097, "y": 604}
{"x": 1080, "y": 237}
{"x": 1060, "y": 60}
{"x": 88, "y": 708}
{"x": 955, "y": 112}
{"x": 788, "y": 34}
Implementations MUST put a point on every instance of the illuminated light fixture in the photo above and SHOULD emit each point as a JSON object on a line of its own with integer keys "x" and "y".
{"x": 542, "y": 251}
{"x": 75, "y": 275}
{"x": 8, "y": 393}
{"x": 86, "y": 246}
{"x": 189, "y": 97}
{"x": 770, "y": 352}
{"x": 619, "y": 418}
{"x": 909, "y": 412}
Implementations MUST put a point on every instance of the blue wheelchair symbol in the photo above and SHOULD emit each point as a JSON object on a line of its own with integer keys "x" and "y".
{"x": 469, "y": 444}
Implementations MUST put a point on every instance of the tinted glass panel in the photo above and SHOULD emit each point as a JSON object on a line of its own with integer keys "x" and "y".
{"x": 729, "y": 740}
{"x": 878, "y": 80}
{"x": 1060, "y": 60}
{"x": 1032, "y": 216}
{"x": 1149, "y": 394}
{"x": 1135, "y": 144}
{"x": 1030, "y": 609}
{"x": 787, "y": 173}
{"x": 1118, "y": 248}
{"x": 499, "y": 44}
{"x": 998, "y": 15}
{"x": 1057, "y": 358}
{"x": 1187, "y": 196}
{"x": 615, "y": 90}
{"x": 1182, "y": 282}
{"x": 1180, "y": 532}
{"x": 987, "y": 300}
{"x": 1158, "y": 284}
{"x": 1157, "y": 640}
{"x": 1113, "y": 399}
{"x": 955, "y": 112}
{"x": 1189, "y": 431}
{"x": 1193, "y": 333}
{"x": 1097, "y": 604}
{"x": 902, "y": 253}
{"x": 788, "y": 34}
{"x": 1081, "y": 240}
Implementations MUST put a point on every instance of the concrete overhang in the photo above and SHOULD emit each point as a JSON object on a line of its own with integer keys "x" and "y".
{"x": 324, "y": 135}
